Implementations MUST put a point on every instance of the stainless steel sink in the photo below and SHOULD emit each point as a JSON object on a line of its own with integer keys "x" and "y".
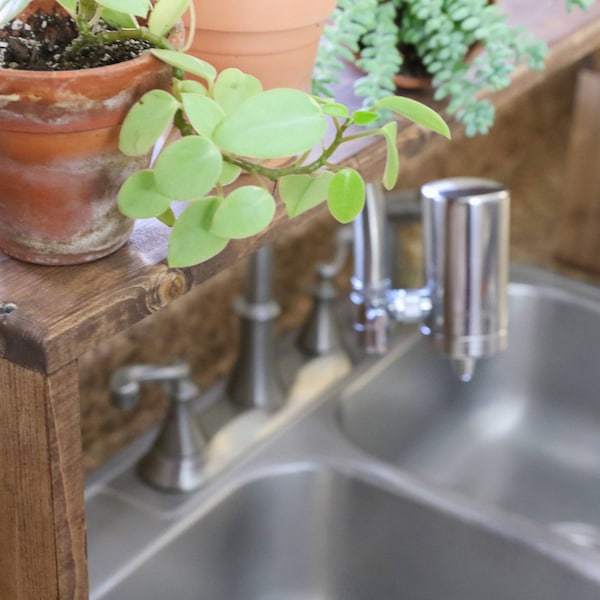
{"x": 321, "y": 535}
{"x": 397, "y": 483}
{"x": 524, "y": 435}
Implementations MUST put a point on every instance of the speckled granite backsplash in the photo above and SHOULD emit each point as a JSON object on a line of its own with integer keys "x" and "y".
{"x": 526, "y": 150}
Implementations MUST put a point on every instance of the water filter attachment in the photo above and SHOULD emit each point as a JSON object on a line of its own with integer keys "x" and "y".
{"x": 466, "y": 241}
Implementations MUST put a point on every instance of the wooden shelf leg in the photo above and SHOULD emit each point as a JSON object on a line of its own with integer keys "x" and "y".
{"x": 42, "y": 522}
{"x": 579, "y": 234}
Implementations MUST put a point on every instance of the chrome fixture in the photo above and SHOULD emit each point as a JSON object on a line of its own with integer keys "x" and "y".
{"x": 321, "y": 332}
{"x": 463, "y": 307}
{"x": 176, "y": 460}
{"x": 254, "y": 380}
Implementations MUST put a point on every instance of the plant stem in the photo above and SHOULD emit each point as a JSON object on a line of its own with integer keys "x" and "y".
{"x": 106, "y": 37}
{"x": 86, "y": 9}
{"x": 273, "y": 174}
{"x": 180, "y": 123}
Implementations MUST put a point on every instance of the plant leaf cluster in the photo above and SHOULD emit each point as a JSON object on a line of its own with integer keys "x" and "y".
{"x": 223, "y": 148}
{"x": 223, "y": 128}
{"x": 441, "y": 33}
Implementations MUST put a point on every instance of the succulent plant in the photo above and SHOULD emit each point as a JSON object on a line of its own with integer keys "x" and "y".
{"x": 387, "y": 34}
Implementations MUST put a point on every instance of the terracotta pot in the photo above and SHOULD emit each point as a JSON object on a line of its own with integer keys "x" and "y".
{"x": 274, "y": 40}
{"x": 60, "y": 165}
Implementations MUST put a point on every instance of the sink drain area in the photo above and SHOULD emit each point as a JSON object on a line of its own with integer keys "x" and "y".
{"x": 580, "y": 534}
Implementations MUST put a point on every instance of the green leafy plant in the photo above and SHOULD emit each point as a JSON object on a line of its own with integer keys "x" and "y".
{"x": 387, "y": 35}
{"x": 225, "y": 147}
{"x": 226, "y": 127}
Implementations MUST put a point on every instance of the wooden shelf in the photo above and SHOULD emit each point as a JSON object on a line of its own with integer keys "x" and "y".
{"x": 64, "y": 311}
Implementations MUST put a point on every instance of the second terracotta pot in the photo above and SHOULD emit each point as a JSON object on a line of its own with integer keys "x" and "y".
{"x": 274, "y": 40}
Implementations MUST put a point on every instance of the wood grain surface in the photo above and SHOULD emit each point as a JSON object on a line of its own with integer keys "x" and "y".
{"x": 579, "y": 234}
{"x": 42, "y": 525}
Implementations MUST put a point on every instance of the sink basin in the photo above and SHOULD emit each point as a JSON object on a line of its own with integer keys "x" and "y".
{"x": 524, "y": 435}
{"x": 315, "y": 534}
{"x": 401, "y": 482}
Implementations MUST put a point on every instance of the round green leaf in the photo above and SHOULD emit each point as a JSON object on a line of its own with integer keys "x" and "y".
{"x": 415, "y": 111}
{"x": 333, "y": 109}
{"x": 71, "y": 6}
{"x": 245, "y": 212}
{"x": 346, "y": 197}
{"x": 300, "y": 193}
{"x": 188, "y": 168}
{"x": 234, "y": 87}
{"x": 274, "y": 124}
{"x": 118, "y": 20}
{"x": 191, "y": 86}
{"x": 140, "y": 199}
{"x": 164, "y": 15}
{"x": 146, "y": 121}
{"x": 190, "y": 241}
{"x": 229, "y": 173}
{"x": 189, "y": 64}
{"x": 364, "y": 117}
{"x": 203, "y": 113}
{"x": 392, "y": 161}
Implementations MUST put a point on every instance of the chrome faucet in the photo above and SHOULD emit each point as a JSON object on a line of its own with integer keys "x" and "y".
{"x": 463, "y": 308}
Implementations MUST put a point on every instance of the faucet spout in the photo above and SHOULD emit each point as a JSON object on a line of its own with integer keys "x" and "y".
{"x": 463, "y": 307}
{"x": 370, "y": 282}
{"x": 465, "y": 227}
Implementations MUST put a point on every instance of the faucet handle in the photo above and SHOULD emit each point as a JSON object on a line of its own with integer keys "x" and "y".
{"x": 176, "y": 460}
{"x": 125, "y": 382}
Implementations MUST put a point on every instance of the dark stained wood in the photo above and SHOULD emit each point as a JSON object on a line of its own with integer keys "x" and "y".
{"x": 42, "y": 555}
{"x": 64, "y": 311}
{"x": 579, "y": 234}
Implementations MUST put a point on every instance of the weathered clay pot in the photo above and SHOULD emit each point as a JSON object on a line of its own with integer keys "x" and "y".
{"x": 274, "y": 40}
{"x": 60, "y": 165}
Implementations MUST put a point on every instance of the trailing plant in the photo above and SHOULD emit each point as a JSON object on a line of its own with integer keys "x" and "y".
{"x": 218, "y": 129}
{"x": 388, "y": 35}
{"x": 228, "y": 127}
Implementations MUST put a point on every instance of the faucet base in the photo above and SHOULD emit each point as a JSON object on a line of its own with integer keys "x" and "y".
{"x": 176, "y": 474}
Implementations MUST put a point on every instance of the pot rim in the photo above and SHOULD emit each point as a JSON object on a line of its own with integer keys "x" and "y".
{"x": 68, "y": 73}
